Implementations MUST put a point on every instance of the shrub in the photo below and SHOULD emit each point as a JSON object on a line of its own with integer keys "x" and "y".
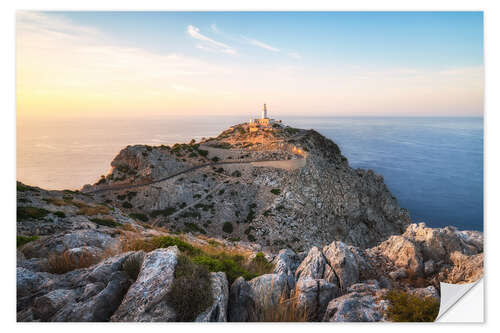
{"x": 232, "y": 265}
{"x": 65, "y": 262}
{"x": 276, "y": 191}
{"x": 60, "y": 214}
{"x": 165, "y": 212}
{"x": 132, "y": 265}
{"x": 191, "y": 290}
{"x": 31, "y": 212}
{"x": 23, "y": 188}
{"x": 188, "y": 226}
{"x": 215, "y": 159}
{"x": 85, "y": 209}
{"x": 21, "y": 240}
{"x": 203, "y": 153}
{"x": 106, "y": 222}
{"x": 259, "y": 264}
{"x": 127, "y": 204}
{"x": 139, "y": 216}
{"x": 404, "y": 307}
{"x": 251, "y": 238}
{"x": 227, "y": 227}
{"x": 236, "y": 173}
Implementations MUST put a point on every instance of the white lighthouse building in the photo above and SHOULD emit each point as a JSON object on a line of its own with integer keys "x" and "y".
{"x": 264, "y": 121}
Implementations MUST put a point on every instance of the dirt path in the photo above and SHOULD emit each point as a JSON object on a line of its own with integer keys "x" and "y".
{"x": 130, "y": 186}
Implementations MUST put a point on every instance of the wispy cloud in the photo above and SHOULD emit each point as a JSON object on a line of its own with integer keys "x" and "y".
{"x": 214, "y": 28}
{"x": 209, "y": 43}
{"x": 295, "y": 55}
{"x": 260, "y": 44}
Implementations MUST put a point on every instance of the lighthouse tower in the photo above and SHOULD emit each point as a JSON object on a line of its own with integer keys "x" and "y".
{"x": 264, "y": 112}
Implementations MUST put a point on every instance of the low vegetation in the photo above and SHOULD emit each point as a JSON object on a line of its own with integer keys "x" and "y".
{"x": 107, "y": 222}
{"x": 21, "y": 240}
{"x": 214, "y": 259}
{"x": 31, "y": 212}
{"x": 404, "y": 307}
{"x": 191, "y": 291}
{"x": 276, "y": 191}
{"x": 139, "y": 216}
{"x": 132, "y": 265}
{"x": 227, "y": 227}
{"x": 66, "y": 262}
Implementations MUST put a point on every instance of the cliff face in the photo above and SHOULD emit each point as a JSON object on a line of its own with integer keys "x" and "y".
{"x": 297, "y": 235}
{"x": 301, "y": 193}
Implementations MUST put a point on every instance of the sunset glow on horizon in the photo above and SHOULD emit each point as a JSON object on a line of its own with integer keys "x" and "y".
{"x": 159, "y": 63}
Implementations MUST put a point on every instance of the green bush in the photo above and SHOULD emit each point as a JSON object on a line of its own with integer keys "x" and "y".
{"x": 106, "y": 222}
{"x": 276, "y": 191}
{"x": 60, "y": 214}
{"x": 215, "y": 159}
{"x": 404, "y": 307}
{"x": 236, "y": 173}
{"x": 191, "y": 290}
{"x": 21, "y": 240}
{"x": 139, "y": 216}
{"x": 165, "y": 212}
{"x": 232, "y": 265}
{"x": 132, "y": 265}
{"x": 31, "y": 212}
{"x": 227, "y": 227}
{"x": 166, "y": 241}
{"x": 127, "y": 204}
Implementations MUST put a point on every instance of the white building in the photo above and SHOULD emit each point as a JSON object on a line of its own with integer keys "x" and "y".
{"x": 264, "y": 121}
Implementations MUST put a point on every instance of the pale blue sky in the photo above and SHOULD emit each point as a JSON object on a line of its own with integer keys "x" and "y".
{"x": 338, "y": 63}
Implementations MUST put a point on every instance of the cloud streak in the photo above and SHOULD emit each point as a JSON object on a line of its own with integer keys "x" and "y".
{"x": 209, "y": 43}
{"x": 260, "y": 44}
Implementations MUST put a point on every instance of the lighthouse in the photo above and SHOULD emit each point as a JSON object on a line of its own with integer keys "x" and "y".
{"x": 264, "y": 112}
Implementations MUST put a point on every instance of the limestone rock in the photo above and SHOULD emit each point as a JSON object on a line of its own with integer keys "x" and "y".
{"x": 355, "y": 307}
{"x": 240, "y": 300}
{"x": 343, "y": 262}
{"x": 145, "y": 299}
{"x": 312, "y": 297}
{"x": 403, "y": 254}
{"x": 217, "y": 312}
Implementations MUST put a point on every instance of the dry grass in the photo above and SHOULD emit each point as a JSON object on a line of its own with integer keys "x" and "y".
{"x": 57, "y": 202}
{"x": 85, "y": 209}
{"x": 65, "y": 262}
{"x": 286, "y": 310}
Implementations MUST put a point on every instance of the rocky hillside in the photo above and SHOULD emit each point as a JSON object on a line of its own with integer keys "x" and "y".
{"x": 276, "y": 186}
{"x": 254, "y": 225}
{"x": 79, "y": 260}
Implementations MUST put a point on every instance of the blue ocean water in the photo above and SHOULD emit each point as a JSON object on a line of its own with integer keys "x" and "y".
{"x": 433, "y": 166}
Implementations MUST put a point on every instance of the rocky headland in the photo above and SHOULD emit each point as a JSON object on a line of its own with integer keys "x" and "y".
{"x": 264, "y": 223}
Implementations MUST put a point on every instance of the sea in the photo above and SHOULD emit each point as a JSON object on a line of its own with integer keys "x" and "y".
{"x": 432, "y": 165}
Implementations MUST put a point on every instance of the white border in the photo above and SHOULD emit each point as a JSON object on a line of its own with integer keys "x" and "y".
{"x": 492, "y": 109}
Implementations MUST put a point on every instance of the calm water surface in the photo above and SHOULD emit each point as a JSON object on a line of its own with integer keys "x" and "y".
{"x": 433, "y": 166}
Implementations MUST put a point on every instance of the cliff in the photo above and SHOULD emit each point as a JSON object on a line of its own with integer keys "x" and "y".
{"x": 277, "y": 186}
{"x": 265, "y": 225}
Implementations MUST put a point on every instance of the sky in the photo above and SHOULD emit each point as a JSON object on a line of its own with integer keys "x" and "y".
{"x": 137, "y": 64}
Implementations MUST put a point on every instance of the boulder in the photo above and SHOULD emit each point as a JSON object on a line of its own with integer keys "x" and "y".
{"x": 355, "y": 307}
{"x": 217, "y": 312}
{"x": 343, "y": 262}
{"x": 315, "y": 266}
{"x": 240, "y": 301}
{"x": 466, "y": 269}
{"x": 145, "y": 299}
{"x": 402, "y": 253}
{"x": 312, "y": 297}
{"x": 286, "y": 262}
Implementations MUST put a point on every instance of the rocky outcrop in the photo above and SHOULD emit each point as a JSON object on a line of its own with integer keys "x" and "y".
{"x": 403, "y": 253}
{"x": 216, "y": 180}
{"x": 217, "y": 312}
{"x": 90, "y": 294}
{"x": 356, "y": 307}
{"x": 145, "y": 300}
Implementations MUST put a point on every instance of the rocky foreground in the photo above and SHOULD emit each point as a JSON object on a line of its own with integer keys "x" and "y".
{"x": 309, "y": 240}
